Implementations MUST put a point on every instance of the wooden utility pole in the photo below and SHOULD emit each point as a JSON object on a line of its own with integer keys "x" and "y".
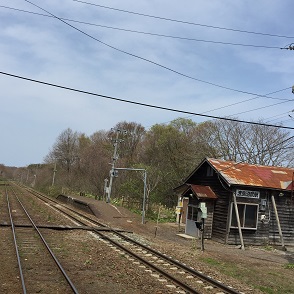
{"x": 238, "y": 221}
{"x": 278, "y": 223}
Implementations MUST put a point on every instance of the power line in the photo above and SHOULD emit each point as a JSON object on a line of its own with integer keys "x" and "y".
{"x": 287, "y": 120}
{"x": 185, "y": 22}
{"x": 204, "y": 112}
{"x": 148, "y": 33}
{"x": 277, "y": 116}
{"x": 148, "y": 60}
{"x": 243, "y": 101}
{"x": 250, "y": 99}
{"x": 157, "y": 63}
{"x": 281, "y": 119}
{"x": 143, "y": 104}
{"x": 262, "y": 107}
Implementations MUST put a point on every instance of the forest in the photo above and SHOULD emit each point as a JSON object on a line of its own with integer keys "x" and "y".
{"x": 78, "y": 163}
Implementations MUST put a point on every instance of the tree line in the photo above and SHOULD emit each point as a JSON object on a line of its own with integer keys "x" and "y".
{"x": 168, "y": 152}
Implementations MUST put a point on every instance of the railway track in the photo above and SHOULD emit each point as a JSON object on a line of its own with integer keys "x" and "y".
{"x": 37, "y": 265}
{"x": 178, "y": 276}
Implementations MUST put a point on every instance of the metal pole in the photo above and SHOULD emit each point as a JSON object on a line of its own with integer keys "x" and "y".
{"x": 54, "y": 171}
{"x": 144, "y": 197}
{"x": 145, "y": 188}
{"x": 34, "y": 182}
{"x": 112, "y": 167}
{"x": 105, "y": 189}
{"x": 28, "y": 175}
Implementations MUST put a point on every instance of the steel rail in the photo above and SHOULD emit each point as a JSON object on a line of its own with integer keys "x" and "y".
{"x": 15, "y": 243}
{"x": 169, "y": 259}
{"x": 149, "y": 264}
{"x": 153, "y": 251}
{"x": 47, "y": 247}
{"x": 179, "y": 264}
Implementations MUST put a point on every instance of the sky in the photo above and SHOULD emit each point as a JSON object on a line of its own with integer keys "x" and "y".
{"x": 205, "y": 57}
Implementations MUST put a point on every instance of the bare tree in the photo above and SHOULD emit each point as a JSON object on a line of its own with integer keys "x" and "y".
{"x": 132, "y": 141}
{"x": 253, "y": 143}
{"x": 65, "y": 151}
{"x": 94, "y": 163}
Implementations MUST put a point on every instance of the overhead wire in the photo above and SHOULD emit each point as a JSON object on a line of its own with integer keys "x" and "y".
{"x": 200, "y": 25}
{"x": 262, "y": 107}
{"x": 277, "y": 115}
{"x": 265, "y": 96}
{"x": 280, "y": 120}
{"x": 204, "y": 112}
{"x": 147, "y": 33}
{"x": 185, "y": 22}
{"x": 142, "y": 104}
{"x": 243, "y": 101}
{"x": 148, "y": 60}
{"x": 253, "y": 98}
{"x": 286, "y": 120}
{"x": 45, "y": 15}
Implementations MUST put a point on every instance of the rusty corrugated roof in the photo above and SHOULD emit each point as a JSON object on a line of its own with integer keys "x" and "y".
{"x": 254, "y": 175}
{"x": 203, "y": 191}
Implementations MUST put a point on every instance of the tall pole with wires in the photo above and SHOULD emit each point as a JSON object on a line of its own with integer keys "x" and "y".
{"x": 114, "y": 159}
{"x": 292, "y": 109}
{"x": 54, "y": 174}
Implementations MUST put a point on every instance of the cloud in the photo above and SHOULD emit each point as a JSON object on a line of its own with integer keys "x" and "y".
{"x": 48, "y": 50}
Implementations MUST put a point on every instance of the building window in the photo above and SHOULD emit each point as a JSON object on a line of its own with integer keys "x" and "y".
{"x": 247, "y": 214}
{"x": 192, "y": 213}
{"x": 209, "y": 171}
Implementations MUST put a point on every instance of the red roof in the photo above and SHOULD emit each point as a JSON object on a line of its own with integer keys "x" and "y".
{"x": 203, "y": 191}
{"x": 254, "y": 175}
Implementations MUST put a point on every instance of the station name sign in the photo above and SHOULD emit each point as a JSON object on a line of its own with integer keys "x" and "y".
{"x": 247, "y": 194}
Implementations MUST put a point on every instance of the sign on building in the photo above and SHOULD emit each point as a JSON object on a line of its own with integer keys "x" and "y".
{"x": 247, "y": 193}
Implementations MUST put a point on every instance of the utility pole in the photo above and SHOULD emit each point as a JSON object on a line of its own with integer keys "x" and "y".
{"x": 293, "y": 109}
{"x": 105, "y": 189}
{"x": 34, "y": 182}
{"x": 54, "y": 172}
{"x": 114, "y": 159}
{"x": 27, "y": 175}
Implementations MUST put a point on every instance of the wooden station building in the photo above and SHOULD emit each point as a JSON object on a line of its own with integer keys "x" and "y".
{"x": 245, "y": 204}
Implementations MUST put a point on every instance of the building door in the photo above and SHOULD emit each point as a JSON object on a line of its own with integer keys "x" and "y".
{"x": 184, "y": 210}
{"x": 191, "y": 229}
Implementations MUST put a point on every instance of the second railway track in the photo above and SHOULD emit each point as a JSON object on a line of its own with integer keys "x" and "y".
{"x": 179, "y": 277}
{"x": 36, "y": 261}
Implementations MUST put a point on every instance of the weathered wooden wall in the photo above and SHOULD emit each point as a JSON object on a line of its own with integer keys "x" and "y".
{"x": 267, "y": 230}
{"x": 285, "y": 208}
